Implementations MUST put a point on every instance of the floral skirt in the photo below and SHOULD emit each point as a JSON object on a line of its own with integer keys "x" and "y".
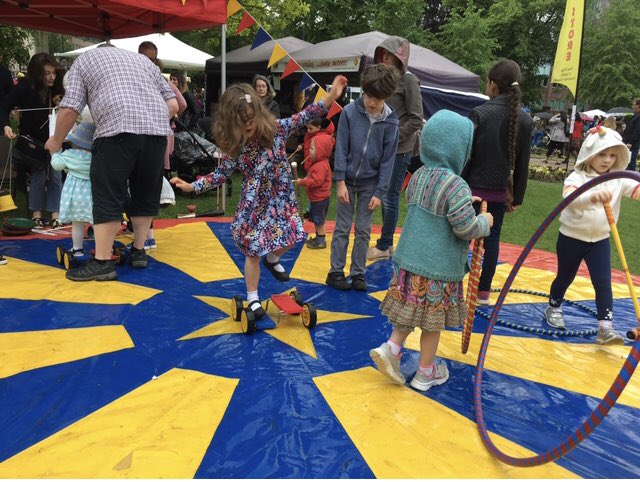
{"x": 415, "y": 301}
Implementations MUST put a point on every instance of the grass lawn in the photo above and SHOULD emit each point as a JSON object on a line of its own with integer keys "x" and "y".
{"x": 518, "y": 227}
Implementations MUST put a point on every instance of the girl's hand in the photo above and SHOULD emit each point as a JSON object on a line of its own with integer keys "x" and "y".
{"x": 512, "y": 208}
{"x": 337, "y": 87}
{"x": 488, "y": 216}
{"x": 342, "y": 192}
{"x": 374, "y": 203}
{"x": 602, "y": 196}
{"x": 184, "y": 186}
{"x": 476, "y": 199}
{"x": 8, "y": 132}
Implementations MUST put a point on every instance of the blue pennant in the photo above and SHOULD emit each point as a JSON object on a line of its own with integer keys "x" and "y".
{"x": 261, "y": 37}
{"x": 305, "y": 82}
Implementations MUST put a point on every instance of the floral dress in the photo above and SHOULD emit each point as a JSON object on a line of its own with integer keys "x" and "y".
{"x": 267, "y": 216}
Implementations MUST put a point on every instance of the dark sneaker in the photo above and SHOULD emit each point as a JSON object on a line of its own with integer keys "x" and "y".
{"x": 338, "y": 281}
{"x": 3, "y": 260}
{"x": 139, "y": 258}
{"x": 358, "y": 283}
{"x": 316, "y": 243}
{"x": 258, "y": 311}
{"x": 93, "y": 271}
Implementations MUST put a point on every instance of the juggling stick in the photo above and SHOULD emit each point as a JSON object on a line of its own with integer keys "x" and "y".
{"x": 472, "y": 286}
{"x": 618, "y": 385}
{"x": 633, "y": 334}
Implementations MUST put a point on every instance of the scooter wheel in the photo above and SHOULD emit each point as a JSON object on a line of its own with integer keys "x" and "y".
{"x": 309, "y": 316}
{"x": 236, "y": 308}
{"x": 247, "y": 321}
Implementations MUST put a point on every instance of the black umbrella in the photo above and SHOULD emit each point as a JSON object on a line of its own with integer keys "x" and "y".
{"x": 620, "y": 110}
{"x": 543, "y": 115}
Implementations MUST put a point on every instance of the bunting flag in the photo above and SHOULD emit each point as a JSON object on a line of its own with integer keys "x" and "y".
{"x": 232, "y": 7}
{"x": 292, "y": 66}
{"x": 261, "y": 37}
{"x": 333, "y": 110}
{"x": 305, "y": 82}
{"x": 246, "y": 22}
{"x": 319, "y": 95}
{"x": 184, "y": 2}
{"x": 277, "y": 54}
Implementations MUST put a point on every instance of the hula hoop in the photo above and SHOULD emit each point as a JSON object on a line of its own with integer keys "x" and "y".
{"x": 543, "y": 331}
{"x": 610, "y": 397}
{"x": 472, "y": 287}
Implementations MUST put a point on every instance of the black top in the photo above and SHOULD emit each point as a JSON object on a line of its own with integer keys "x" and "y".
{"x": 6, "y": 82}
{"x": 32, "y": 122}
{"x": 273, "y": 107}
{"x": 191, "y": 114}
{"x": 631, "y": 133}
{"x": 488, "y": 167}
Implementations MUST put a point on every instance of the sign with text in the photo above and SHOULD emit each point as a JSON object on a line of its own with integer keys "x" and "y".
{"x": 567, "y": 62}
{"x": 345, "y": 64}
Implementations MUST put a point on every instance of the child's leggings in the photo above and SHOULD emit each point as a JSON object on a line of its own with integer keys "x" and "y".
{"x": 571, "y": 252}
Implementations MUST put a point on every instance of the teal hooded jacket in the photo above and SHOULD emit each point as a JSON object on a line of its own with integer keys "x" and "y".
{"x": 440, "y": 220}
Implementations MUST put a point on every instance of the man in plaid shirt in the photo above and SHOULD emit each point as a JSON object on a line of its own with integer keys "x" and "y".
{"x": 131, "y": 104}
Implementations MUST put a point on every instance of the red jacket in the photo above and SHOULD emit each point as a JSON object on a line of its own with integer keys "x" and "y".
{"x": 329, "y": 130}
{"x": 318, "y": 180}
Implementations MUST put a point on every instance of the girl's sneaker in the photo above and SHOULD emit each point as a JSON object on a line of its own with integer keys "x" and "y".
{"x": 554, "y": 317}
{"x": 3, "y": 260}
{"x": 150, "y": 244}
{"x": 387, "y": 363}
{"x": 609, "y": 336}
{"x": 423, "y": 383}
{"x": 483, "y": 298}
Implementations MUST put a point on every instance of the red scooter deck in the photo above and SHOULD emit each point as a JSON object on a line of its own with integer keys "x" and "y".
{"x": 286, "y": 304}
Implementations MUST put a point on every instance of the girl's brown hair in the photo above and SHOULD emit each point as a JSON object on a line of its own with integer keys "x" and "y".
{"x": 507, "y": 76}
{"x": 240, "y": 104}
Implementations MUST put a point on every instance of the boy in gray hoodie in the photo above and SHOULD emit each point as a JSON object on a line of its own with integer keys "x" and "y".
{"x": 366, "y": 145}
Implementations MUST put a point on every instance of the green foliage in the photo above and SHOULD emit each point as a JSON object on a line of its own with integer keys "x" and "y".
{"x": 467, "y": 40}
{"x": 14, "y": 42}
{"x": 610, "y": 76}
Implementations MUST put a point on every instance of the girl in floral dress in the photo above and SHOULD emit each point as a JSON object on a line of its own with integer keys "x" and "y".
{"x": 266, "y": 224}
{"x": 431, "y": 258}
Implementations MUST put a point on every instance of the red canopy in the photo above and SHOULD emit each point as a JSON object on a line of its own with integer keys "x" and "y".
{"x": 113, "y": 18}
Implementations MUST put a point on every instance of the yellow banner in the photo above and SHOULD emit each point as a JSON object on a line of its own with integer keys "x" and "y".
{"x": 567, "y": 63}
{"x": 320, "y": 95}
{"x": 276, "y": 54}
{"x": 232, "y": 7}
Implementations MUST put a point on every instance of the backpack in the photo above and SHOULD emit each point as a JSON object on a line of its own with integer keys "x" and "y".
{"x": 567, "y": 127}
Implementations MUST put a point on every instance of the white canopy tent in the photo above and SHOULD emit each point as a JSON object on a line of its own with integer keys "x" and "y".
{"x": 173, "y": 53}
{"x": 595, "y": 112}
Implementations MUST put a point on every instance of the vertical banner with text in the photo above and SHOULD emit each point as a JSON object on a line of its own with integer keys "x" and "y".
{"x": 567, "y": 62}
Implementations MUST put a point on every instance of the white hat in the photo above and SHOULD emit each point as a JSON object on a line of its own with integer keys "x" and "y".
{"x": 598, "y": 139}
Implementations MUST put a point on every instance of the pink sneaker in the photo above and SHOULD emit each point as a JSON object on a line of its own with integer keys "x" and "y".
{"x": 483, "y": 297}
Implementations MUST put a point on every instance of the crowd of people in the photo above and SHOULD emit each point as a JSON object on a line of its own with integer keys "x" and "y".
{"x": 118, "y": 159}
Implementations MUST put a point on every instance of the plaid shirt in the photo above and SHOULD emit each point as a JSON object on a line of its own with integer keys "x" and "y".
{"x": 125, "y": 92}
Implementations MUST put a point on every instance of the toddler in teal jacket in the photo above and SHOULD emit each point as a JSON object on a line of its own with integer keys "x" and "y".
{"x": 431, "y": 258}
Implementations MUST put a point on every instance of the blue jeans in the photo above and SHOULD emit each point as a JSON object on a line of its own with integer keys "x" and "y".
{"x": 491, "y": 244}
{"x": 44, "y": 194}
{"x": 634, "y": 156}
{"x": 537, "y": 137}
{"x": 391, "y": 201}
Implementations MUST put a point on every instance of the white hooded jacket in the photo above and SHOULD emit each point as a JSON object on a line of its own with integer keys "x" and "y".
{"x": 582, "y": 219}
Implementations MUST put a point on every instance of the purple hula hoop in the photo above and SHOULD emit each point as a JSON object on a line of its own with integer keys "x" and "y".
{"x": 610, "y": 397}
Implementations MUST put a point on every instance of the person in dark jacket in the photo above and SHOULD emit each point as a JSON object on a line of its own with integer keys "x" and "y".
{"x": 498, "y": 168}
{"x": 631, "y": 135}
{"x": 406, "y": 101}
{"x": 189, "y": 117}
{"x": 265, "y": 91}
{"x": 35, "y": 98}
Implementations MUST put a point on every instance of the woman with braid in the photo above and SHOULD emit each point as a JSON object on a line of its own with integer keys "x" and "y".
{"x": 499, "y": 164}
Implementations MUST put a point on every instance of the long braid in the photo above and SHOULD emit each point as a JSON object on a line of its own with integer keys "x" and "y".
{"x": 514, "y": 109}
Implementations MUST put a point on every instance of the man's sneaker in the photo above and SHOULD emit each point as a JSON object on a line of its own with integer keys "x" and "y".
{"x": 483, "y": 297}
{"x": 138, "y": 258}
{"x": 374, "y": 253}
{"x": 609, "y": 336}
{"x": 93, "y": 271}
{"x": 338, "y": 281}
{"x": 358, "y": 283}
{"x": 150, "y": 244}
{"x": 316, "y": 243}
{"x": 3, "y": 260}
{"x": 387, "y": 363}
{"x": 554, "y": 317}
{"x": 423, "y": 383}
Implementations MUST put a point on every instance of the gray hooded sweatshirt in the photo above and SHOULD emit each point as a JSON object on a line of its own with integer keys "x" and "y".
{"x": 406, "y": 100}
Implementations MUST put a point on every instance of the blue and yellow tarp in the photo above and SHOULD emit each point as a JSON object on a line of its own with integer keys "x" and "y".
{"x": 149, "y": 376}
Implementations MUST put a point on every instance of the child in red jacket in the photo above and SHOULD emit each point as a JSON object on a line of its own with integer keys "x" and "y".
{"x": 318, "y": 185}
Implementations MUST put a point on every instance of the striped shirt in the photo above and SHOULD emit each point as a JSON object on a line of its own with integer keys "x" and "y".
{"x": 124, "y": 90}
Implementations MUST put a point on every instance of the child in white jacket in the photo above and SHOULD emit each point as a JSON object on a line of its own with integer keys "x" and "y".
{"x": 584, "y": 230}
{"x": 76, "y": 204}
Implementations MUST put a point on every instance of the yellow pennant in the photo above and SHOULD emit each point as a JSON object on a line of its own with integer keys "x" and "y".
{"x": 320, "y": 95}
{"x": 567, "y": 61}
{"x": 276, "y": 54}
{"x": 232, "y": 7}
